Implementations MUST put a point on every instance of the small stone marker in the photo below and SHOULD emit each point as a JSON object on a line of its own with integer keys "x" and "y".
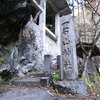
{"x": 90, "y": 67}
{"x": 47, "y": 65}
{"x": 58, "y": 62}
{"x": 44, "y": 81}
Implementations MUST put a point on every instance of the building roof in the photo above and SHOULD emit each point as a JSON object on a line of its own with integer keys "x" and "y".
{"x": 59, "y": 6}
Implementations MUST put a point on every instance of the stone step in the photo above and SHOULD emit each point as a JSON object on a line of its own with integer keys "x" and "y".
{"x": 35, "y": 74}
{"x": 26, "y": 82}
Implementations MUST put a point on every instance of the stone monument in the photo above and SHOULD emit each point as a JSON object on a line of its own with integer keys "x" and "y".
{"x": 69, "y": 59}
{"x": 69, "y": 69}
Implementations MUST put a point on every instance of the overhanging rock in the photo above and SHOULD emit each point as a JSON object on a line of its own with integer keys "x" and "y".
{"x": 14, "y": 14}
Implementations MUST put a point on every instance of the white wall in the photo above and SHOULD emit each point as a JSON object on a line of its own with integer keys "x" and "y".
{"x": 51, "y": 47}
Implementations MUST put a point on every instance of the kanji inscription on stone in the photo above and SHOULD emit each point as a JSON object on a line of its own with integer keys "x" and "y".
{"x": 67, "y": 65}
{"x": 69, "y": 70}
{"x": 66, "y": 50}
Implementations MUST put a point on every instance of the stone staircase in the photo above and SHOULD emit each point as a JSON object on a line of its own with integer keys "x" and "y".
{"x": 35, "y": 74}
{"x": 33, "y": 79}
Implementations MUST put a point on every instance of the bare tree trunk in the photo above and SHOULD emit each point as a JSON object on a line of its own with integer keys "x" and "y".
{"x": 86, "y": 59}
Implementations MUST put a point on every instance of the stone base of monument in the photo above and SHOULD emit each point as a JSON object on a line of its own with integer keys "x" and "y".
{"x": 71, "y": 87}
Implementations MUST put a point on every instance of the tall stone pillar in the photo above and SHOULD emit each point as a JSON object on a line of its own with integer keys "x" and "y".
{"x": 69, "y": 58}
{"x": 42, "y": 24}
{"x": 69, "y": 69}
{"x": 57, "y": 32}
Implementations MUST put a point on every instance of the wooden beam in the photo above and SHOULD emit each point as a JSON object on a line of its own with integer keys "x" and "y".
{"x": 36, "y": 5}
{"x": 53, "y": 6}
{"x": 63, "y": 10}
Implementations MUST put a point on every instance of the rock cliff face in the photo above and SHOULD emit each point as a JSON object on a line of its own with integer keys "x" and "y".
{"x": 26, "y": 54}
{"x": 14, "y": 14}
{"x": 15, "y": 25}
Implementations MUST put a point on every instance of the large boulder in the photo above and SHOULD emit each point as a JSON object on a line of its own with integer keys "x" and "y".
{"x": 26, "y": 56}
{"x": 71, "y": 87}
{"x": 14, "y": 14}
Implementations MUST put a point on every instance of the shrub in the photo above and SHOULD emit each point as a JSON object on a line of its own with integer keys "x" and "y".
{"x": 1, "y": 60}
{"x": 56, "y": 76}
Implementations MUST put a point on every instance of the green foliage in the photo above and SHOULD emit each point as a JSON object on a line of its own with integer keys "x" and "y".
{"x": 93, "y": 84}
{"x": 56, "y": 90}
{"x": 15, "y": 78}
{"x": 56, "y": 76}
{"x": 47, "y": 0}
{"x": 79, "y": 95}
{"x": 1, "y": 60}
{"x": 7, "y": 48}
{"x": 56, "y": 37}
{"x": 83, "y": 79}
{"x": 80, "y": 25}
{"x": 90, "y": 84}
{"x": 97, "y": 78}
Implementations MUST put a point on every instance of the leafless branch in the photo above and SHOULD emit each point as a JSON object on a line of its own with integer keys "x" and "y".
{"x": 36, "y": 16}
{"x": 95, "y": 10}
{"x": 87, "y": 54}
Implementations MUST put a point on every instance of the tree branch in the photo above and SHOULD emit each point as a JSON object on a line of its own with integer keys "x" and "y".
{"x": 36, "y": 16}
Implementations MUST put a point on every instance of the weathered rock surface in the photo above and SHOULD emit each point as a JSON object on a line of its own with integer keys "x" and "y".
{"x": 30, "y": 94}
{"x": 14, "y": 14}
{"x": 27, "y": 54}
{"x": 71, "y": 87}
{"x": 5, "y": 52}
{"x": 2, "y": 90}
